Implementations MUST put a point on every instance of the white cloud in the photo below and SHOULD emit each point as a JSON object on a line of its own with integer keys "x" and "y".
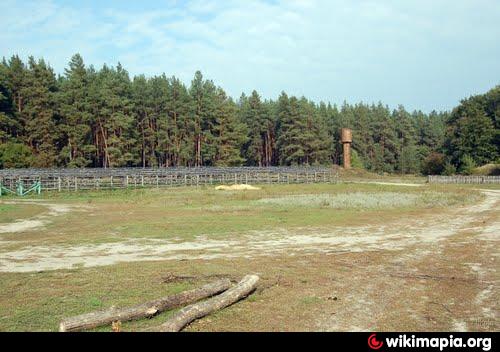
{"x": 411, "y": 52}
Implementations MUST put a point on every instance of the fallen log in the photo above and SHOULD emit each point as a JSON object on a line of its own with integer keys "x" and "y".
{"x": 143, "y": 310}
{"x": 198, "y": 310}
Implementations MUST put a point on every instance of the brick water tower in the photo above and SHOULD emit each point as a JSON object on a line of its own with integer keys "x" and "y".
{"x": 346, "y": 139}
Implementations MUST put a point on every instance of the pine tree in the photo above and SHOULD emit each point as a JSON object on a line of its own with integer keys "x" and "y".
{"x": 406, "y": 154}
{"x": 230, "y": 133}
{"x": 202, "y": 94}
{"x": 101, "y": 118}
{"x": 254, "y": 116}
{"x": 74, "y": 107}
{"x": 291, "y": 141}
{"x": 115, "y": 136}
{"x": 9, "y": 124}
{"x": 315, "y": 134}
{"x": 385, "y": 140}
{"x": 40, "y": 114}
{"x": 181, "y": 126}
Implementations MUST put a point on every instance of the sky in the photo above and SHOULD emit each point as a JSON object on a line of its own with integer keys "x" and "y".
{"x": 425, "y": 55}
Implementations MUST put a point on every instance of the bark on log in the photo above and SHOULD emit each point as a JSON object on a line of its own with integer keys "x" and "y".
{"x": 144, "y": 310}
{"x": 198, "y": 310}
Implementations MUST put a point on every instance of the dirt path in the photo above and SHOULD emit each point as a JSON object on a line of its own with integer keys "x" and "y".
{"x": 436, "y": 272}
{"x": 426, "y": 234}
{"x": 449, "y": 284}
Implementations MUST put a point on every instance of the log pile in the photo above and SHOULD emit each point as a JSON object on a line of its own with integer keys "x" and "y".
{"x": 199, "y": 310}
{"x": 221, "y": 293}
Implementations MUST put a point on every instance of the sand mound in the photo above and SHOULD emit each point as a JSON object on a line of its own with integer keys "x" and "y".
{"x": 236, "y": 188}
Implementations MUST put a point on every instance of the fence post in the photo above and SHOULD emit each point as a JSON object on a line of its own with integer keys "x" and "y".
{"x": 76, "y": 183}
{"x": 59, "y": 184}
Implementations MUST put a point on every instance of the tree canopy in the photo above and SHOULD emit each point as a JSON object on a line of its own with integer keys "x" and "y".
{"x": 91, "y": 117}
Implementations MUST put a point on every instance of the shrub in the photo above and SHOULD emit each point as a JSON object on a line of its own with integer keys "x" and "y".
{"x": 15, "y": 155}
{"x": 467, "y": 165}
{"x": 434, "y": 164}
{"x": 356, "y": 161}
{"x": 449, "y": 169}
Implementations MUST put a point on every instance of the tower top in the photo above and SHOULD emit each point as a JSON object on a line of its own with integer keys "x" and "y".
{"x": 346, "y": 135}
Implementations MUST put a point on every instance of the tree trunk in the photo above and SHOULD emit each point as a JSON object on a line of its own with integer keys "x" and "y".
{"x": 199, "y": 310}
{"x": 144, "y": 310}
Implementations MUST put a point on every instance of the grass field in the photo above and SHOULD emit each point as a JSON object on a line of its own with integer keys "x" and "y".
{"x": 312, "y": 245}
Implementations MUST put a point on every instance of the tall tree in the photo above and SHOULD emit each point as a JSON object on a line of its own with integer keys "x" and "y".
{"x": 254, "y": 115}
{"x": 102, "y": 118}
{"x": 291, "y": 141}
{"x": 39, "y": 112}
{"x": 473, "y": 129}
{"x": 230, "y": 133}
{"x": 74, "y": 107}
{"x": 9, "y": 124}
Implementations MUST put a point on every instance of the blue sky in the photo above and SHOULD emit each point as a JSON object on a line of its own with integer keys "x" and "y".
{"x": 422, "y": 54}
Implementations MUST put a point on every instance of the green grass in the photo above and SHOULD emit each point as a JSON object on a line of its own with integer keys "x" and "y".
{"x": 37, "y": 301}
{"x": 184, "y": 213}
{"x": 12, "y": 212}
{"x": 365, "y": 200}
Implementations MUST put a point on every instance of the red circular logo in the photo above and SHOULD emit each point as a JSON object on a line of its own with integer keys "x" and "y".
{"x": 373, "y": 343}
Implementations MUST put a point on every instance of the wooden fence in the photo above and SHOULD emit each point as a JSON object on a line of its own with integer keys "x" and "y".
{"x": 464, "y": 179}
{"x": 98, "y": 179}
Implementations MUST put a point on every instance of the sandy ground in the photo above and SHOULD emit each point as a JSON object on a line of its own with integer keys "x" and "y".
{"x": 36, "y": 221}
{"x": 446, "y": 280}
{"x": 240, "y": 187}
{"x": 437, "y": 272}
{"x": 425, "y": 232}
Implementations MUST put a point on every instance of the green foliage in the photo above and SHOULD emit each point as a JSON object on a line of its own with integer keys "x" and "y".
{"x": 473, "y": 129}
{"x": 449, "y": 169}
{"x": 103, "y": 118}
{"x": 467, "y": 165}
{"x": 15, "y": 155}
{"x": 356, "y": 161}
{"x": 434, "y": 164}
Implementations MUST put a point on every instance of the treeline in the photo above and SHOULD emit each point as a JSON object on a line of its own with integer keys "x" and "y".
{"x": 103, "y": 118}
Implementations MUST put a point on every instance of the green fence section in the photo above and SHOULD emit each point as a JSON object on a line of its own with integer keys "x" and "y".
{"x": 21, "y": 190}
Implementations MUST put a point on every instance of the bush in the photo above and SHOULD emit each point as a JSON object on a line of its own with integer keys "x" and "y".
{"x": 356, "y": 161}
{"x": 449, "y": 169}
{"x": 15, "y": 155}
{"x": 434, "y": 164}
{"x": 467, "y": 165}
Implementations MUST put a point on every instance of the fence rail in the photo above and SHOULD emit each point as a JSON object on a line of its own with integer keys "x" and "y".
{"x": 464, "y": 179}
{"x": 97, "y": 179}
